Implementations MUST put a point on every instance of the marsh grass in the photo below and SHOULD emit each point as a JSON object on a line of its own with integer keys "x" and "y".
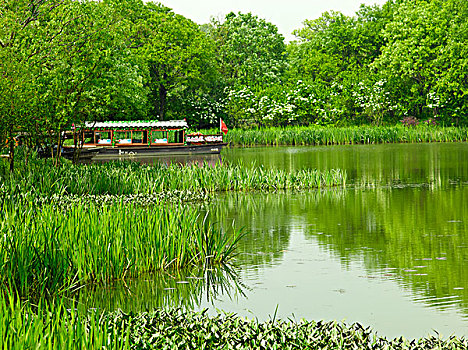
{"x": 45, "y": 251}
{"x": 125, "y": 178}
{"x": 54, "y": 326}
{"x": 71, "y": 225}
{"x": 301, "y": 136}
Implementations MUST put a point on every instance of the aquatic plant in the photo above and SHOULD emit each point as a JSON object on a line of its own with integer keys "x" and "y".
{"x": 57, "y": 327}
{"x": 344, "y": 135}
{"x": 126, "y": 178}
{"x": 141, "y": 199}
{"x": 186, "y": 289}
{"x": 46, "y": 251}
{"x": 188, "y": 330}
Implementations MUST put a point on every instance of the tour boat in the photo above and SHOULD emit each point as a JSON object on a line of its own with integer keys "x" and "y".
{"x": 140, "y": 139}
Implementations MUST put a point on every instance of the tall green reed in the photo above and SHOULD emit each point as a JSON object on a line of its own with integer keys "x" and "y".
{"x": 45, "y": 251}
{"x": 344, "y": 135}
{"x": 123, "y": 178}
{"x": 51, "y": 325}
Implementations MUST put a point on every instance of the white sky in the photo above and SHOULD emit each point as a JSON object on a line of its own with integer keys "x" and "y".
{"x": 287, "y": 15}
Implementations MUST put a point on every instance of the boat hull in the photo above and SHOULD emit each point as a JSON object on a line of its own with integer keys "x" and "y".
{"x": 145, "y": 151}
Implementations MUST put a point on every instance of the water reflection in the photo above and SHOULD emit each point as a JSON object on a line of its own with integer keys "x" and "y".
{"x": 267, "y": 235}
{"x": 198, "y": 159}
{"x": 177, "y": 289}
{"x": 415, "y": 236}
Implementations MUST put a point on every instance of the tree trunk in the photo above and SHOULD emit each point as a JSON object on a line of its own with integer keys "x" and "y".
{"x": 162, "y": 101}
{"x": 59, "y": 147}
{"x": 12, "y": 153}
{"x": 77, "y": 141}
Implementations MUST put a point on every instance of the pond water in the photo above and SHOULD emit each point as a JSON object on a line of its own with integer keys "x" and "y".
{"x": 389, "y": 251}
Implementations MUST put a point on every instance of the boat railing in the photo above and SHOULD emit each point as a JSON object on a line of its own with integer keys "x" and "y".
{"x": 198, "y": 138}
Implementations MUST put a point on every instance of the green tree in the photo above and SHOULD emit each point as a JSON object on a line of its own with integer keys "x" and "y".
{"x": 250, "y": 50}
{"x": 15, "y": 106}
{"x": 73, "y": 56}
{"x": 334, "y": 53}
{"x": 424, "y": 59}
{"x": 178, "y": 56}
{"x": 449, "y": 99}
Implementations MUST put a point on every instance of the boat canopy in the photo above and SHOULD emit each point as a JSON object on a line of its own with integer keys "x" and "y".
{"x": 138, "y": 124}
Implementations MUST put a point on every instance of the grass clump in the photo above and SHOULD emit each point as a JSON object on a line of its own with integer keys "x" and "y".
{"x": 296, "y": 136}
{"x": 45, "y": 251}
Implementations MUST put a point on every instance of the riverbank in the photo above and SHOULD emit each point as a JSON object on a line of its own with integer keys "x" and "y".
{"x": 303, "y": 136}
{"x": 63, "y": 328}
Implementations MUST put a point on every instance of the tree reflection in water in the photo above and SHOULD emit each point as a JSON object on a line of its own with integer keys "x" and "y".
{"x": 414, "y": 235}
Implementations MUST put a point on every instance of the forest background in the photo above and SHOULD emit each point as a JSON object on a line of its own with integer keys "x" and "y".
{"x": 63, "y": 62}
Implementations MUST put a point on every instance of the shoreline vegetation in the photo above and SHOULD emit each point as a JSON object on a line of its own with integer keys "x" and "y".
{"x": 322, "y": 136}
{"x": 58, "y": 327}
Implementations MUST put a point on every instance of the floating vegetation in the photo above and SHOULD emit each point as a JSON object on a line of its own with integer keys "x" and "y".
{"x": 126, "y": 178}
{"x": 141, "y": 199}
{"x": 345, "y": 135}
{"x": 45, "y": 251}
{"x": 62, "y": 328}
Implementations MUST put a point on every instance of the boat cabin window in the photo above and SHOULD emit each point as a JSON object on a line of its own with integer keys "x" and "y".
{"x": 180, "y": 136}
{"x": 88, "y": 137}
{"x": 158, "y": 137}
{"x": 138, "y": 136}
{"x": 175, "y": 136}
{"x": 103, "y": 137}
{"x": 171, "y": 136}
{"x": 123, "y": 137}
